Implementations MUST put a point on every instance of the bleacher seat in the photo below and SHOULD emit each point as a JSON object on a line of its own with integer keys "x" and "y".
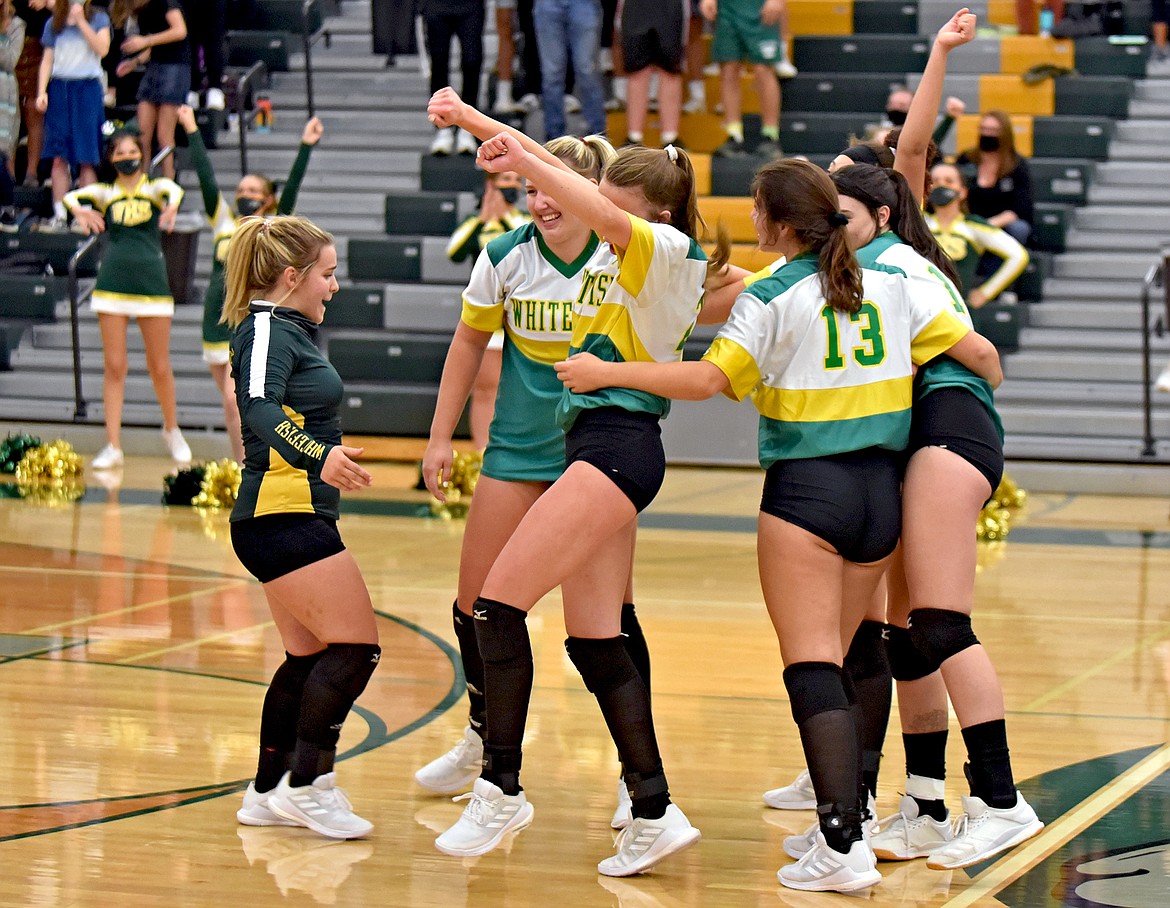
{"x": 389, "y": 356}
{"x": 406, "y": 410}
{"x": 885, "y": 17}
{"x": 1061, "y": 180}
{"x": 1029, "y": 286}
{"x": 967, "y": 132}
{"x": 859, "y": 53}
{"x": 734, "y": 213}
{"x": 1100, "y": 96}
{"x": 818, "y": 17}
{"x": 1000, "y": 324}
{"x": 1072, "y": 137}
{"x": 839, "y": 92}
{"x": 422, "y": 307}
{"x": 934, "y": 14}
{"x": 293, "y": 16}
{"x": 980, "y": 56}
{"x": 733, "y": 176}
{"x": 805, "y": 133}
{"x": 357, "y": 307}
{"x": 1009, "y": 93}
{"x": 422, "y": 213}
{"x": 1019, "y": 53}
{"x": 390, "y": 259}
{"x": 1050, "y": 229}
{"x": 58, "y": 248}
{"x": 1100, "y": 56}
{"x": 31, "y": 296}
{"x": 450, "y": 173}
{"x": 268, "y": 47}
{"x": 436, "y": 268}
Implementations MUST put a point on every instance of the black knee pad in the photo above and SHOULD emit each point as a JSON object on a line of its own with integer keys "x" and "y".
{"x": 814, "y": 688}
{"x": 294, "y": 671}
{"x": 347, "y": 667}
{"x": 604, "y": 664}
{"x": 867, "y": 652}
{"x": 906, "y": 662}
{"x": 502, "y": 632}
{"x": 940, "y": 633}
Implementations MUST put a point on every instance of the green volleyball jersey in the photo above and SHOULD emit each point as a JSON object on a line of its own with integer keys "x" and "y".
{"x": 133, "y": 268}
{"x": 926, "y": 279}
{"x": 828, "y": 382}
{"x": 520, "y": 285}
{"x": 643, "y": 313}
{"x": 967, "y": 238}
{"x": 289, "y": 396}
{"x": 224, "y": 221}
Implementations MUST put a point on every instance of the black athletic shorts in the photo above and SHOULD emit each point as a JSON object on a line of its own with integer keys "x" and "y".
{"x": 955, "y": 419}
{"x": 625, "y": 446}
{"x": 852, "y": 501}
{"x": 278, "y": 544}
{"x": 654, "y": 33}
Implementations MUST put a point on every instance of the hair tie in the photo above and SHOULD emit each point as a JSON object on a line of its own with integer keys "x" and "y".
{"x": 838, "y": 219}
{"x": 672, "y": 153}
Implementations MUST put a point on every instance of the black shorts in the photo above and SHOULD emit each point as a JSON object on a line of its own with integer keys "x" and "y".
{"x": 278, "y": 544}
{"x": 852, "y": 501}
{"x": 654, "y": 33}
{"x": 625, "y": 446}
{"x": 955, "y": 419}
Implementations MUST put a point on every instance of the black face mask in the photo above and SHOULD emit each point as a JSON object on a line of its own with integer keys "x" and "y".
{"x": 248, "y": 207}
{"x": 897, "y": 117}
{"x": 989, "y": 143}
{"x": 128, "y": 167}
{"x": 510, "y": 194}
{"x": 941, "y": 196}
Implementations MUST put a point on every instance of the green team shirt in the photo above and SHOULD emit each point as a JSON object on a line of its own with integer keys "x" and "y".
{"x": 289, "y": 395}
{"x": 224, "y": 221}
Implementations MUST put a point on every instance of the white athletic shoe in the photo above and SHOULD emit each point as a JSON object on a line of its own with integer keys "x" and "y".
{"x": 108, "y": 458}
{"x": 321, "y": 807}
{"x": 823, "y": 869}
{"x": 216, "y": 99}
{"x": 179, "y": 450}
{"x": 695, "y": 105}
{"x": 622, "y": 815}
{"x": 785, "y": 69}
{"x": 906, "y": 835}
{"x": 465, "y": 143}
{"x": 457, "y": 769}
{"x": 256, "y": 811}
{"x": 486, "y": 820}
{"x": 1163, "y": 381}
{"x": 983, "y": 832}
{"x": 444, "y": 142}
{"x": 797, "y": 796}
{"x": 644, "y": 843}
{"x": 797, "y": 846}
{"x": 572, "y": 105}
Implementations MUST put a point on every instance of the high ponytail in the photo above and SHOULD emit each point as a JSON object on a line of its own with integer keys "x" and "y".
{"x": 588, "y": 156}
{"x": 259, "y": 252}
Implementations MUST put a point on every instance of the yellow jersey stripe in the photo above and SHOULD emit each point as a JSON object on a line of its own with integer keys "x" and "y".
{"x": 835, "y": 404}
{"x": 635, "y": 258}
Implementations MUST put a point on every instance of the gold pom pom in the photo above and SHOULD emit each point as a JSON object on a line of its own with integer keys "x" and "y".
{"x": 464, "y": 477}
{"x": 51, "y": 474}
{"x": 220, "y": 484}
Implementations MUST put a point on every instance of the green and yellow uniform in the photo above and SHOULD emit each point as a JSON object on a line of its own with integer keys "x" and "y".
{"x": 965, "y": 240}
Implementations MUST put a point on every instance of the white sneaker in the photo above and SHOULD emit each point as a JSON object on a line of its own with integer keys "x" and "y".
{"x": 644, "y": 843}
{"x": 256, "y": 811}
{"x": 622, "y": 815}
{"x": 797, "y": 796}
{"x": 906, "y": 835}
{"x": 785, "y": 69}
{"x": 572, "y": 105}
{"x": 983, "y": 832}
{"x": 797, "y": 846}
{"x": 321, "y": 807}
{"x": 1163, "y": 381}
{"x": 177, "y": 445}
{"x": 486, "y": 820}
{"x": 529, "y": 103}
{"x": 215, "y": 99}
{"x": 824, "y": 869}
{"x": 465, "y": 143}
{"x": 108, "y": 458}
{"x": 193, "y": 100}
{"x": 457, "y": 769}
{"x": 444, "y": 142}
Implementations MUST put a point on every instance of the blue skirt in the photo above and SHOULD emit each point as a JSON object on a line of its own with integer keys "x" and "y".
{"x": 73, "y": 121}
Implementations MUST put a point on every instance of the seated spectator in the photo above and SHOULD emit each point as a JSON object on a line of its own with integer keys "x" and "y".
{"x": 898, "y": 106}
{"x": 966, "y": 237}
{"x": 569, "y": 31}
{"x": 999, "y": 185}
{"x": 11, "y": 47}
{"x": 464, "y": 19}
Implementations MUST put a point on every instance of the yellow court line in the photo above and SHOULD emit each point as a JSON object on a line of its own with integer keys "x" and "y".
{"x": 81, "y": 572}
{"x": 1084, "y": 676}
{"x": 1064, "y": 829}
{"x": 91, "y": 619}
{"x": 190, "y": 643}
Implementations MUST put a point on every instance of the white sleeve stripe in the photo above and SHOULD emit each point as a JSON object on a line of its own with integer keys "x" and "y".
{"x": 258, "y": 368}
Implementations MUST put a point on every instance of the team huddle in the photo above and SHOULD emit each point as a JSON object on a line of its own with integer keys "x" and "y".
{"x": 878, "y": 437}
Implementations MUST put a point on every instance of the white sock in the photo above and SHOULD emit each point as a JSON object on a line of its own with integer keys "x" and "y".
{"x": 59, "y": 211}
{"x": 619, "y": 88}
{"x": 697, "y": 90}
{"x": 504, "y": 91}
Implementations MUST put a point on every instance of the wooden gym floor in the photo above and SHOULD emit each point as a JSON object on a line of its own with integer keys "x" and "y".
{"x": 134, "y": 651}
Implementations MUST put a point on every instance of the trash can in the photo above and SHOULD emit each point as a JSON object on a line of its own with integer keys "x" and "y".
{"x": 181, "y": 247}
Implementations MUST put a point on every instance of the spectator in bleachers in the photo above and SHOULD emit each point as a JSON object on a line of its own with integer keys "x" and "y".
{"x": 497, "y": 215}
{"x": 1159, "y": 19}
{"x": 966, "y": 237}
{"x": 132, "y": 283}
{"x": 569, "y": 30}
{"x": 463, "y": 19}
{"x": 505, "y": 55}
{"x": 653, "y": 39}
{"x": 898, "y": 107}
{"x": 11, "y": 47}
{"x": 35, "y": 14}
{"x": 696, "y": 60}
{"x": 255, "y": 194}
{"x": 747, "y": 31}
{"x": 206, "y": 28}
{"x": 69, "y": 93}
{"x": 999, "y": 185}
{"x": 161, "y": 43}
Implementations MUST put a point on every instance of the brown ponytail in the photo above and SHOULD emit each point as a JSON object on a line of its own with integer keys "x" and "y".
{"x": 802, "y": 196}
{"x": 260, "y": 251}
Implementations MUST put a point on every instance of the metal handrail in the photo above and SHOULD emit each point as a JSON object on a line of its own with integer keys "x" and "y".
{"x": 309, "y": 39}
{"x": 1156, "y": 276}
{"x": 79, "y": 408}
{"x": 254, "y": 71}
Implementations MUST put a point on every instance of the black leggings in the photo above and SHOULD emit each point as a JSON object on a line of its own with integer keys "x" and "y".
{"x": 206, "y": 27}
{"x": 469, "y": 30}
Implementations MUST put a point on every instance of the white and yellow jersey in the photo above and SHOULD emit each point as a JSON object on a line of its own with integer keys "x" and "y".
{"x": 643, "y": 313}
{"x": 827, "y": 382}
{"x": 965, "y": 240}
